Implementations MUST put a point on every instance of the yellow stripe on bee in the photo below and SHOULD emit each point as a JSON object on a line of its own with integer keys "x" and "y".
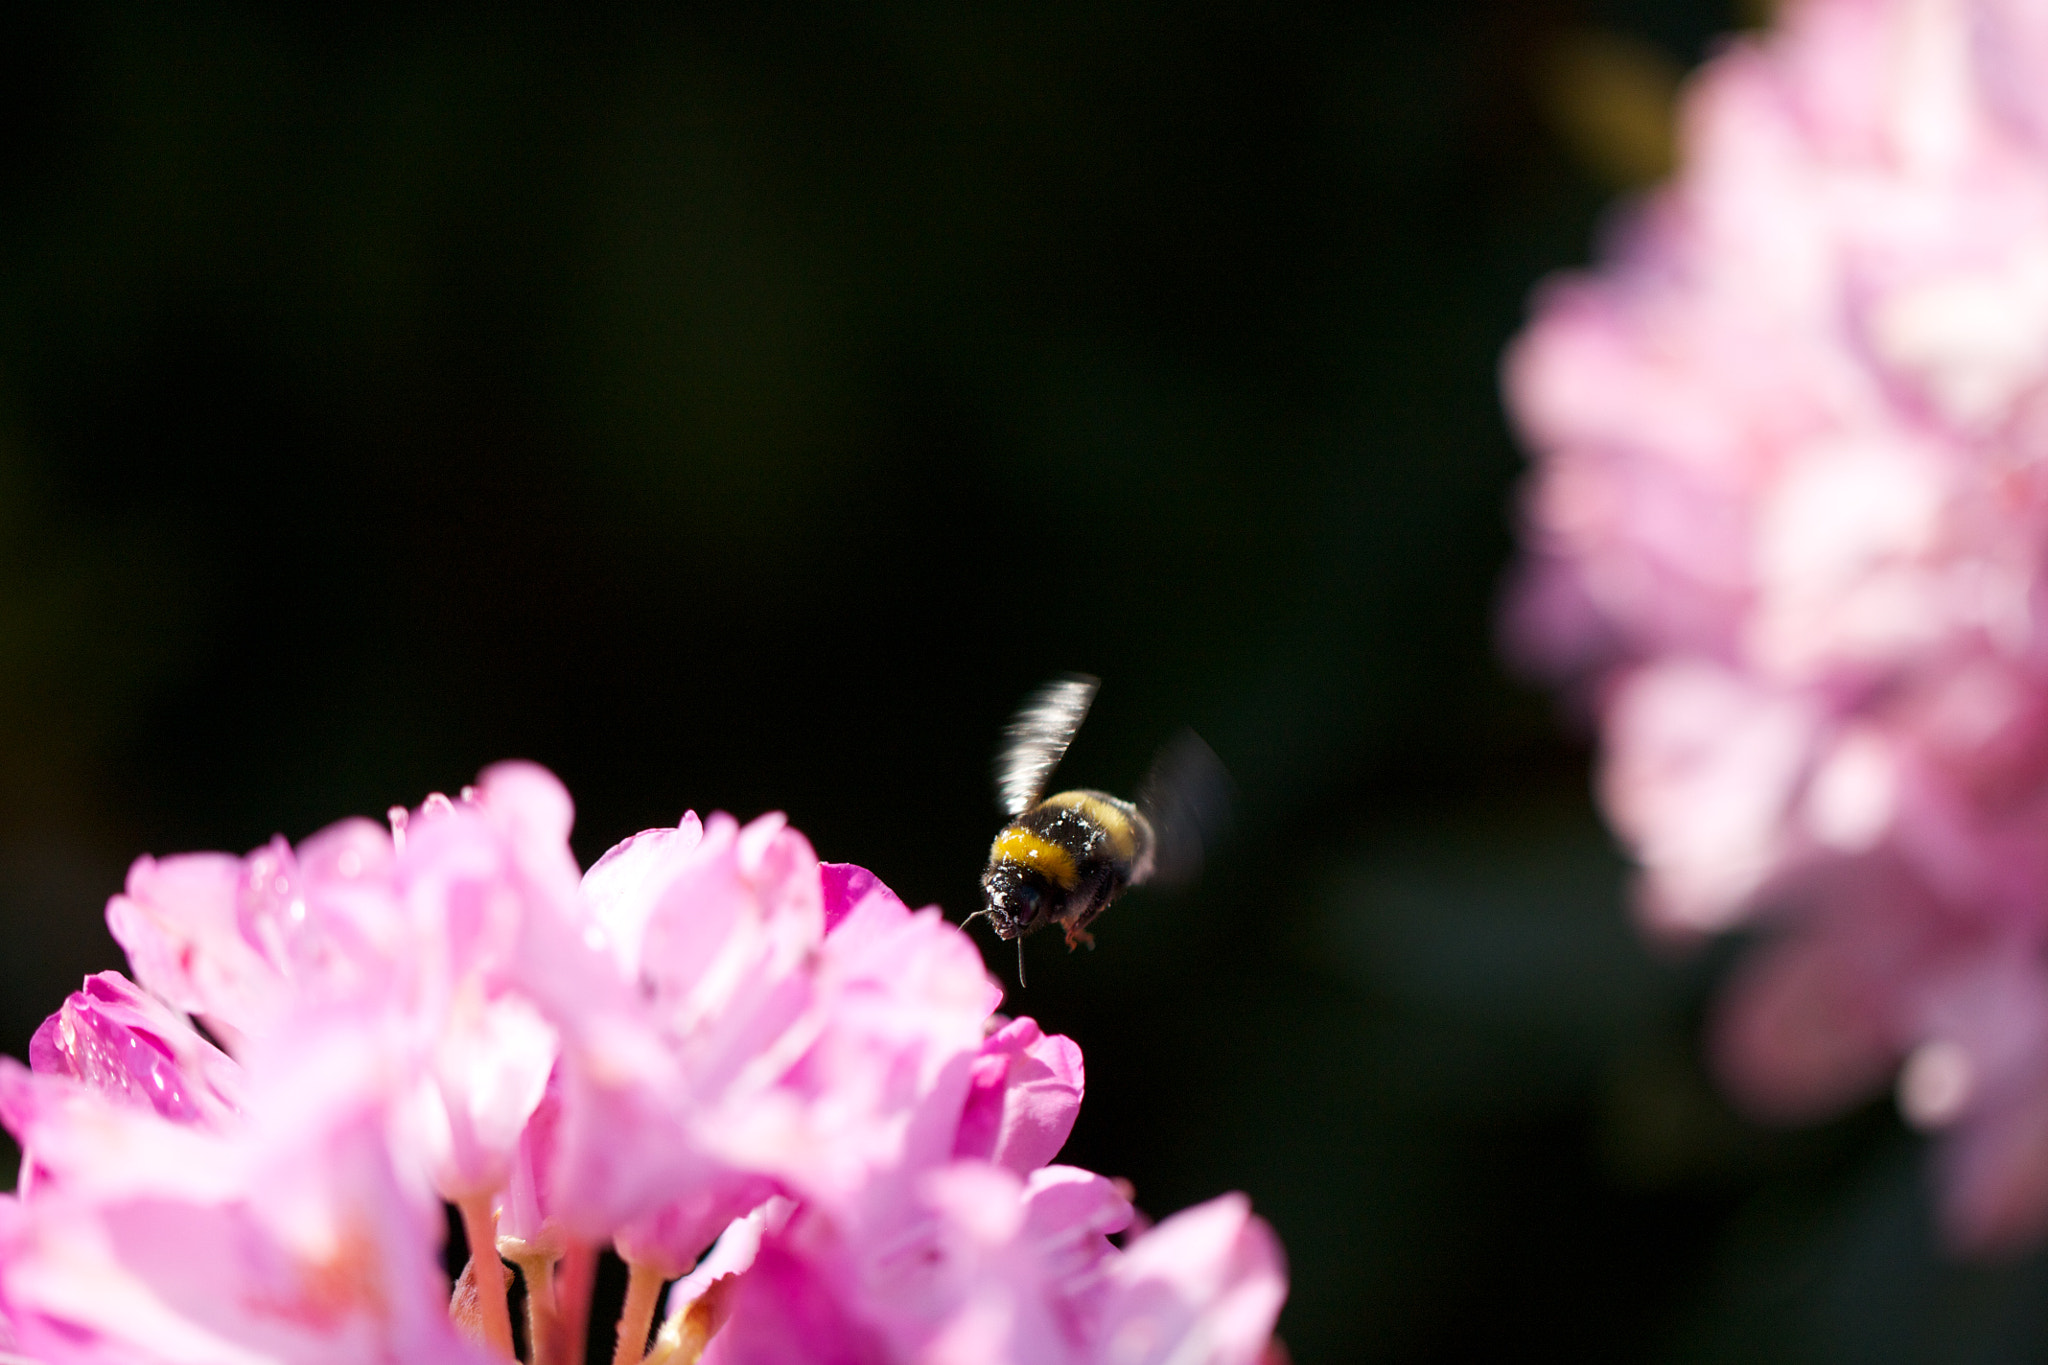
{"x": 1111, "y": 819}
{"x": 1019, "y": 845}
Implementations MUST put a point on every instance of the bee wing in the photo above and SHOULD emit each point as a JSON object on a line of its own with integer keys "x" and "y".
{"x": 1037, "y": 737}
{"x": 1186, "y": 797}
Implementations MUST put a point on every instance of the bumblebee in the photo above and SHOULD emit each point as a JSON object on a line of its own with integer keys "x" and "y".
{"x": 1062, "y": 859}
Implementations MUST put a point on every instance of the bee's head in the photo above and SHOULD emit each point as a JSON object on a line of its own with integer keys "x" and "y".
{"x": 1016, "y": 898}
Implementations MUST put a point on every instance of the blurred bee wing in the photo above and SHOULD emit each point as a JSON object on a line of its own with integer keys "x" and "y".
{"x": 1037, "y": 738}
{"x": 1186, "y": 796}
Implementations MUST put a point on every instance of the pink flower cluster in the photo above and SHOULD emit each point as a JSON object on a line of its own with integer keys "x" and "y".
{"x": 709, "y": 1043}
{"x": 1788, "y": 529}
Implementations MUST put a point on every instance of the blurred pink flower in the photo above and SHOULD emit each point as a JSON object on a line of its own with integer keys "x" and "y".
{"x": 1787, "y": 530}
{"x": 10, "y": 1235}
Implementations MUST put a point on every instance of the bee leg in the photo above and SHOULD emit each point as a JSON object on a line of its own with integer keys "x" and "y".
{"x": 1092, "y": 898}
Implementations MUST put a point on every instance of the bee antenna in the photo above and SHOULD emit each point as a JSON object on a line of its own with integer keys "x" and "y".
{"x": 972, "y": 918}
{"x": 1020, "y": 962}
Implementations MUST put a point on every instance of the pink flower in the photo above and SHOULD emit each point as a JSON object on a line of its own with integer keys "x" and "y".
{"x": 485, "y": 885}
{"x": 708, "y": 1037}
{"x": 1205, "y": 1285}
{"x": 750, "y": 1052}
{"x": 979, "y": 1266}
{"x": 1786, "y": 532}
{"x": 425, "y": 929}
{"x": 670, "y": 1075}
{"x": 983, "y": 1267}
{"x": 238, "y": 942}
{"x": 113, "y": 1038}
{"x": 1023, "y": 1095}
{"x": 112, "y": 1045}
{"x": 970, "y": 1248}
{"x": 908, "y": 1005}
{"x": 289, "y": 1237}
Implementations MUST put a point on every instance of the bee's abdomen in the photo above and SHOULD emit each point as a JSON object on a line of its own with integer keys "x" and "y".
{"x": 1079, "y": 833}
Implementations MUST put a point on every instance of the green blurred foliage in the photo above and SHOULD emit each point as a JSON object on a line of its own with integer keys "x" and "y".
{"x": 742, "y": 408}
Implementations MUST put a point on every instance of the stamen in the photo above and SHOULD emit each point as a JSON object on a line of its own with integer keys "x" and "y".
{"x": 543, "y": 1319}
{"x": 480, "y": 1225}
{"x": 558, "y": 1283}
{"x": 636, "y": 1318}
{"x": 462, "y": 1303}
{"x": 684, "y": 1336}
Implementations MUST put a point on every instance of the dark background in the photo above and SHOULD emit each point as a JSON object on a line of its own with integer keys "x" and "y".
{"x": 744, "y": 408}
